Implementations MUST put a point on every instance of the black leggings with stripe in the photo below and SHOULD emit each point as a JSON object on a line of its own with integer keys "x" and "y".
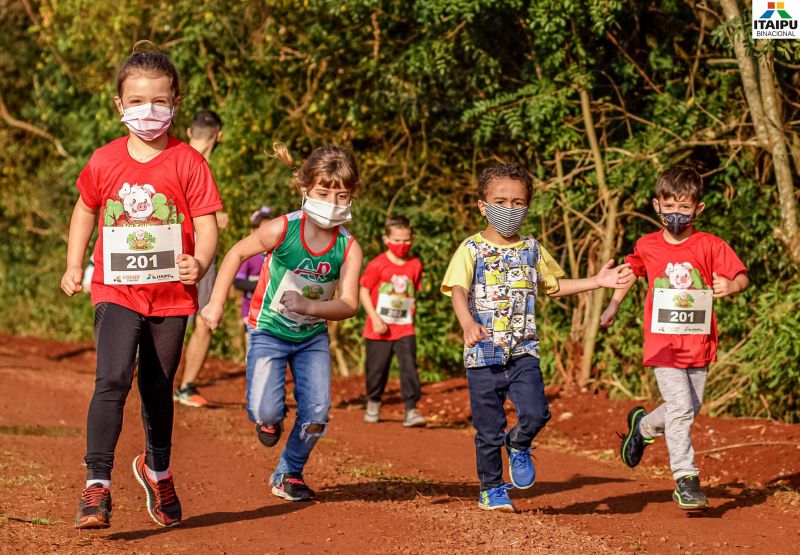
{"x": 119, "y": 334}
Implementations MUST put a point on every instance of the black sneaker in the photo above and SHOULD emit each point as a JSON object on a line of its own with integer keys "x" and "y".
{"x": 94, "y": 508}
{"x": 633, "y": 443}
{"x": 292, "y": 487}
{"x": 688, "y": 495}
{"x": 268, "y": 435}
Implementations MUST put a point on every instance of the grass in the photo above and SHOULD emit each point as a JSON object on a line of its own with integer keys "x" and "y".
{"x": 47, "y": 431}
{"x": 383, "y": 476}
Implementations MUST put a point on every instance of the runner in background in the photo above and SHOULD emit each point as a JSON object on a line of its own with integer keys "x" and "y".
{"x": 204, "y": 134}
{"x": 388, "y": 286}
{"x": 250, "y": 270}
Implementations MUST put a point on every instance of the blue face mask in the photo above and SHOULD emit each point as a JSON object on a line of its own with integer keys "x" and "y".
{"x": 675, "y": 222}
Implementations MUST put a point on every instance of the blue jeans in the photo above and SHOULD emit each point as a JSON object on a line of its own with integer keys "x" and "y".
{"x": 310, "y": 362}
{"x": 521, "y": 380}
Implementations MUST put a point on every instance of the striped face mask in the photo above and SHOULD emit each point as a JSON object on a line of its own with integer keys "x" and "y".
{"x": 507, "y": 221}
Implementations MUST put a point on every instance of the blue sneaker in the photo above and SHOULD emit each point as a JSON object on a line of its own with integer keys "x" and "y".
{"x": 496, "y": 499}
{"x": 520, "y": 467}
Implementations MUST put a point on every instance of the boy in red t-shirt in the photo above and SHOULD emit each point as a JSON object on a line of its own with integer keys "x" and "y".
{"x": 684, "y": 269}
{"x": 387, "y": 293}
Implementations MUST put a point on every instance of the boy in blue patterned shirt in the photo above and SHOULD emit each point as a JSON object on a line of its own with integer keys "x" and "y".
{"x": 493, "y": 279}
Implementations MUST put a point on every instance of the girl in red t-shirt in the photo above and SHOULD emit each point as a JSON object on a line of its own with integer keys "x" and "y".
{"x": 153, "y": 200}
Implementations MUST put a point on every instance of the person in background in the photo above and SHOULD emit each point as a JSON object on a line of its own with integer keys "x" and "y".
{"x": 204, "y": 135}
{"x": 249, "y": 272}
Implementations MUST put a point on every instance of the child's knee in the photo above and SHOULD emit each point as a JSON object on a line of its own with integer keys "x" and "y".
{"x": 312, "y": 430}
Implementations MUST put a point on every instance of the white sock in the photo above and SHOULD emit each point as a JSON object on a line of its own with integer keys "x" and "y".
{"x": 156, "y": 475}
{"x": 105, "y": 483}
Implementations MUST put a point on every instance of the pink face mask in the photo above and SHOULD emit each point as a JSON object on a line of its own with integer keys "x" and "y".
{"x": 147, "y": 121}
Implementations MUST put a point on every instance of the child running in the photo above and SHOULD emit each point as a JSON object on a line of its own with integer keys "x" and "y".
{"x": 684, "y": 269}
{"x": 309, "y": 253}
{"x": 493, "y": 278}
{"x": 153, "y": 200}
{"x": 387, "y": 292}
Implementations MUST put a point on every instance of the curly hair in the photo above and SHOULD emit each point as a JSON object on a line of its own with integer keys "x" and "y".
{"x": 509, "y": 170}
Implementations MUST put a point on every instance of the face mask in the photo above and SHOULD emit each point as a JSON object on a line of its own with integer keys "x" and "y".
{"x": 507, "y": 221}
{"x": 675, "y": 222}
{"x": 148, "y": 121}
{"x": 325, "y": 214}
{"x": 400, "y": 250}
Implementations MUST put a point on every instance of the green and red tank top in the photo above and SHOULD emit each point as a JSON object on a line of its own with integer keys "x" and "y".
{"x": 293, "y": 266}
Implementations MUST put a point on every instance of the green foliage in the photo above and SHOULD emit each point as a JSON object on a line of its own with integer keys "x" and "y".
{"x": 426, "y": 93}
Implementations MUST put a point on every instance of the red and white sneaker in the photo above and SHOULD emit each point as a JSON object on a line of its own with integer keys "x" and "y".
{"x": 94, "y": 508}
{"x": 162, "y": 501}
{"x": 190, "y": 397}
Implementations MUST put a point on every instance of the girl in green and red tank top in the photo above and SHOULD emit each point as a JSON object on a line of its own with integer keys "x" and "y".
{"x": 309, "y": 255}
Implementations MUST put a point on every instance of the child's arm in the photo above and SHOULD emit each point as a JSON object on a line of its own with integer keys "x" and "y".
{"x": 723, "y": 286}
{"x": 378, "y": 325}
{"x": 263, "y": 240}
{"x": 80, "y": 232}
{"x": 341, "y": 308}
{"x": 610, "y": 313}
{"x": 205, "y": 248}
{"x": 608, "y": 276}
{"x": 473, "y": 331}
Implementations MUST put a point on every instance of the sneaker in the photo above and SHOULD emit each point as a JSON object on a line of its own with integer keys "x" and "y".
{"x": 520, "y": 467}
{"x": 162, "y": 501}
{"x": 292, "y": 487}
{"x": 633, "y": 443}
{"x": 688, "y": 495}
{"x": 373, "y": 412}
{"x": 496, "y": 499}
{"x": 268, "y": 434}
{"x": 414, "y": 419}
{"x": 94, "y": 509}
{"x": 189, "y": 396}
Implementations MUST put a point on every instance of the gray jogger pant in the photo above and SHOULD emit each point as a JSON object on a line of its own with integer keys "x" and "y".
{"x": 682, "y": 391}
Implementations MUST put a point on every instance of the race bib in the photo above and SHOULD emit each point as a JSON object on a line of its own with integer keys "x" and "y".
{"x": 682, "y": 311}
{"x": 395, "y": 309}
{"x": 307, "y": 288}
{"x": 141, "y": 255}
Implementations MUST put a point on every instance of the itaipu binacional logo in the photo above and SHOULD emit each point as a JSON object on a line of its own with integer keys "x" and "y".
{"x": 775, "y": 22}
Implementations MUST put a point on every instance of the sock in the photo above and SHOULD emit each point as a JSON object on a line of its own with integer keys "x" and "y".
{"x": 156, "y": 475}
{"x": 105, "y": 483}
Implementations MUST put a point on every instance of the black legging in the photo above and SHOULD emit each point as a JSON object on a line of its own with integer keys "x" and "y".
{"x": 119, "y": 334}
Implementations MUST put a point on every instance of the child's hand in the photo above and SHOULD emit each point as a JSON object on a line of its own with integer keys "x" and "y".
{"x": 295, "y": 302}
{"x": 723, "y": 286}
{"x": 188, "y": 269}
{"x": 614, "y": 278}
{"x": 71, "y": 280}
{"x": 379, "y": 326}
{"x": 474, "y": 333}
{"x": 212, "y": 315}
{"x": 609, "y": 315}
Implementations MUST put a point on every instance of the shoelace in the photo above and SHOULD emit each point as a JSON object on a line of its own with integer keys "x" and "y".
{"x": 92, "y": 496}
{"x": 517, "y": 458}
{"x": 500, "y": 491}
{"x": 296, "y": 481}
{"x": 165, "y": 492}
{"x": 268, "y": 429}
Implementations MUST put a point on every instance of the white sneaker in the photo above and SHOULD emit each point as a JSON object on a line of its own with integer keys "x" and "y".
{"x": 414, "y": 419}
{"x": 373, "y": 412}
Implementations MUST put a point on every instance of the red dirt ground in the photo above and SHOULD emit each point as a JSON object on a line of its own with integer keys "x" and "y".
{"x": 381, "y": 488}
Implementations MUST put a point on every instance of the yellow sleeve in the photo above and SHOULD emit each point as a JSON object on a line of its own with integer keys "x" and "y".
{"x": 460, "y": 271}
{"x": 549, "y": 271}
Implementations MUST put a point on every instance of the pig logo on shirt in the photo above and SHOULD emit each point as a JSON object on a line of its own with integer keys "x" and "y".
{"x": 137, "y": 200}
{"x": 681, "y": 275}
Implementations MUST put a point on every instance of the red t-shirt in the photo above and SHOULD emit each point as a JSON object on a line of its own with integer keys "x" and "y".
{"x": 652, "y": 257}
{"x": 392, "y": 288}
{"x": 177, "y": 184}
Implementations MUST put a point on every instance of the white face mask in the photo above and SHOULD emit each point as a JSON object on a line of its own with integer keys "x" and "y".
{"x": 325, "y": 214}
{"x": 147, "y": 121}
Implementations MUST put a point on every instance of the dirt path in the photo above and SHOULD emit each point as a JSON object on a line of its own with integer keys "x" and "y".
{"x": 381, "y": 488}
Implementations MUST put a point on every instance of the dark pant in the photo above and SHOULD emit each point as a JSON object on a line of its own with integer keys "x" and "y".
{"x": 379, "y": 358}
{"x": 119, "y": 334}
{"x": 521, "y": 379}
